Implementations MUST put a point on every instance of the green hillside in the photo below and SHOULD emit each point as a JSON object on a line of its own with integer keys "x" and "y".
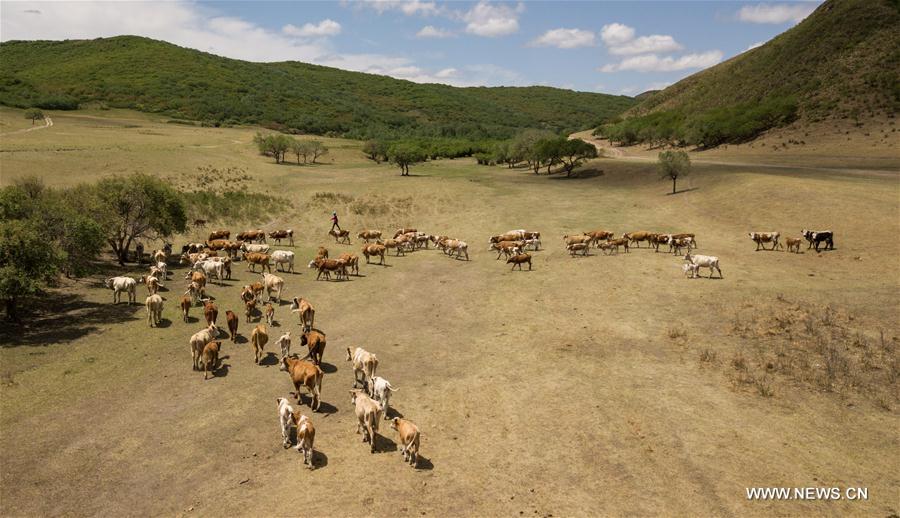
{"x": 155, "y": 76}
{"x": 843, "y": 61}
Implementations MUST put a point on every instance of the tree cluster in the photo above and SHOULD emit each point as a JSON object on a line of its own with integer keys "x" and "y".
{"x": 538, "y": 150}
{"x": 277, "y": 145}
{"x": 728, "y": 125}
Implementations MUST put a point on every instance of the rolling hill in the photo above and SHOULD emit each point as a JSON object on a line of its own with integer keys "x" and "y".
{"x": 841, "y": 62}
{"x": 155, "y": 76}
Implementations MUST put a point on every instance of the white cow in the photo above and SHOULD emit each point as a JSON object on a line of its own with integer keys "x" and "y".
{"x": 381, "y": 392}
{"x": 284, "y": 343}
{"x": 120, "y": 284}
{"x": 286, "y": 418}
{"x": 705, "y": 261}
{"x": 210, "y": 268}
{"x": 283, "y": 257}
{"x": 274, "y": 284}
{"x": 364, "y": 363}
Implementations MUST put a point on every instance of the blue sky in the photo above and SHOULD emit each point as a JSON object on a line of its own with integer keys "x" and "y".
{"x": 610, "y": 47}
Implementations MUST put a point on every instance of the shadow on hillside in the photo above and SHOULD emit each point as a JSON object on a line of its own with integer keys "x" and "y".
{"x": 60, "y": 317}
{"x": 583, "y": 174}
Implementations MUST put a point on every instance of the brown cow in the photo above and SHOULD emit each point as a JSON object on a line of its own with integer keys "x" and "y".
{"x": 232, "y": 320}
{"x": 259, "y": 338}
{"x": 409, "y": 439}
{"x": 210, "y": 311}
{"x": 217, "y": 244}
{"x": 278, "y": 235}
{"x": 327, "y": 266}
{"x": 219, "y": 234}
{"x": 185, "y": 306}
{"x": 598, "y": 235}
{"x": 340, "y": 236}
{"x": 637, "y": 237}
{"x": 269, "y": 312}
{"x": 249, "y": 308}
{"x": 366, "y": 235}
{"x": 255, "y": 258}
{"x": 304, "y": 374}
{"x": 518, "y": 260}
{"x": 209, "y": 359}
{"x": 375, "y": 250}
{"x": 351, "y": 261}
{"x": 315, "y": 341}
{"x": 252, "y": 235}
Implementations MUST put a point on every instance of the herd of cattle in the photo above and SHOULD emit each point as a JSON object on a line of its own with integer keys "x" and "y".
{"x": 372, "y": 400}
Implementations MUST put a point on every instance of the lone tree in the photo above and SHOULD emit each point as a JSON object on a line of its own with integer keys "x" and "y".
{"x": 317, "y": 149}
{"x": 674, "y": 164}
{"x": 137, "y": 207}
{"x": 404, "y": 155}
{"x": 34, "y": 114}
{"x": 572, "y": 152}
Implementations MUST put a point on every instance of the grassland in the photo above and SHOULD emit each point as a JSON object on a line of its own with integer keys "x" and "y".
{"x": 605, "y": 385}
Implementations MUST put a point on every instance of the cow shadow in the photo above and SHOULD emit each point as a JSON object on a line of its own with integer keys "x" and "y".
{"x": 192, "y": 320}
{"x": 423, "y": 463}
{"x": 164, "y": 323}
{"x": 393, "y": 412}
{"x": 222, "y": 370}
{"x": 240, "y": 339}
{"x": 384, "y": 444}
{"x": 328, "y": 368}
{"x": 319, "y": 459}
{"x": 269, "y": 359}
{"x": 324, "y": 407}
{"x": 583, "y": 174}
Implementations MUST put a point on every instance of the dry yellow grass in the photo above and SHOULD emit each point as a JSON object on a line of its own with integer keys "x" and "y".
{"x": 590, "y": 386}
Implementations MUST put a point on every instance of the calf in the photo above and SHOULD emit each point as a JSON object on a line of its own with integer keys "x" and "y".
{"x": 616, "y": 243}
{"x": 306, "y": 436}
{"x": 519, "y": 260}
{"x": 304, "y": 374}
{"x": 507, "y": 248}
{"x": 364, "y": 363}
{"x": 764, "y": 237}
{"x": 269, "y": 312}
{"x": 186, "y": 304}
{"x": 249, "y": 309}
{"x": 154, "y": 305}
{"x": 210, "y": 358}
{"x": 350, "y": 261}
{"x": 381, "y": 392}
{"x": 409, "y": 439}
{"x": 815, "y": 237}
{"x": 232, "y": 320}
{"x": 284, "y": 344}
{"x": 368, "y": 413}
{"x": 793, "y": 244}
{"x": 258, "y": 338}
{"x": 285, "y": 419}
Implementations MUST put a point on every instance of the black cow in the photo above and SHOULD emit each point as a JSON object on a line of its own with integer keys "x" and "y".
{"x": 815, "y": 237}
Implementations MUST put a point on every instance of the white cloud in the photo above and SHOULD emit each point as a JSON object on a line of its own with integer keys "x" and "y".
{"x": 620, "y": 41}
{"x": 646, "y": 44}
{"x": 492, "y": 20}
{"x": 775, "y": 13}
{"x": 565, "y": 39}
{"x": 753, "y": 46}
{"x": 430, "y": 31}
{"x": 407, "y": 7}
{"x": 654, "y": 63}
{"x": 326, "y": 27}
{"x": 616, "y": 34}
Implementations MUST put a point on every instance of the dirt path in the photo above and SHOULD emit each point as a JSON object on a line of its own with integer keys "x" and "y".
{"x": 47, "y": 123}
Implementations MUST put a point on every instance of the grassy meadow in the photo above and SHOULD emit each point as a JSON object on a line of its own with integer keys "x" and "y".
{"x": 599, "y": 385}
